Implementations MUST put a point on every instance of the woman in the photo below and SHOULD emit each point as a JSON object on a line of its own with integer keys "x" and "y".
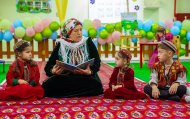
{"x": 73, "y": 49}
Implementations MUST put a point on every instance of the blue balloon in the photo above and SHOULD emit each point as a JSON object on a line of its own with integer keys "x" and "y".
{"x": 134, "y": 40}
{"x": 175, "y": 30}
{"x": 84, "y": 33}
{"x": 1, "y": 35}
{"x": 17, "y": 23}
{"x": 178, "y": 24}
{"x": 147, "y": 26}
{"x": 188, "y": 36}
{"x": 160, "y": 23}
{"x": 8, "y": 36}
{"x": 101, "y": 28}
{"x": 140, "y": 24}
{"x": 54, "y": 35}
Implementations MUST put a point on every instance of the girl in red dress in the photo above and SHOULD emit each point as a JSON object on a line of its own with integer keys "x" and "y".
{"x": 23, "y": 76}
{"x": 121, "y": 83}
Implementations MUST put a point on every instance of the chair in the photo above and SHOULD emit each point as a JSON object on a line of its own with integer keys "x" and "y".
{"x": 3, "y": 62}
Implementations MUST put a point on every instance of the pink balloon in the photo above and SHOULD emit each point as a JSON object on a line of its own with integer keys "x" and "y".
{"x": 12, "y": 29}
{"x": 169, "y": 23}
{"x": 169, "y": 36}
{"x": 109, "y": 39}
{"x": 96, "y": 23}
{"x": 38, "y": 27}
{"x": 101, "y": 41}
{"x": 46, "y": 22}
{"x": 116, "y": 35}
{"x": 30, "y": 31}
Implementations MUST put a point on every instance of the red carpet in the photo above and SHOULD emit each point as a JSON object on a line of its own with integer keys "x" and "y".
{"x": 94, "y": 107}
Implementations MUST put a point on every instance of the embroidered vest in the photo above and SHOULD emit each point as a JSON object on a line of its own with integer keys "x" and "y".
{"x": 171, "y": 77}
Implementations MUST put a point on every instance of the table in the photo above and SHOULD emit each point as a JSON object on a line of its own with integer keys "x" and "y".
{"x": 141, "y": 49}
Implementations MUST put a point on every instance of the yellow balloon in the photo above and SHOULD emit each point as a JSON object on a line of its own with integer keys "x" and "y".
{"x": 61, "y": 8}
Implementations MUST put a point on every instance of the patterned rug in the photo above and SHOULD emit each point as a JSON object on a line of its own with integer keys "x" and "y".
{"x": 95, "y": 107}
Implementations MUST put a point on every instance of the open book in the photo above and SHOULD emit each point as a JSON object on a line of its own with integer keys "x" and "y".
{"x": 73, "y": 67}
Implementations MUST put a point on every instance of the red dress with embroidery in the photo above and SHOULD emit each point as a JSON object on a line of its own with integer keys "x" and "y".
{"x": 30, "y": 91}
{"x": 127, "y": 91}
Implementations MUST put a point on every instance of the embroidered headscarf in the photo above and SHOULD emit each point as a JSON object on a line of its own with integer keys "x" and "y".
{"x": 20, "y": 45}
{"x": 69, "y": 25}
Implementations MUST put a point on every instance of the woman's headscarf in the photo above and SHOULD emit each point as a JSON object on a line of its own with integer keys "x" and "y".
{"x": 69, "y": 25}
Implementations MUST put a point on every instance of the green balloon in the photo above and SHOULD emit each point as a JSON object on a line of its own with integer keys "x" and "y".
{"x": 20, "y": 32}
{"x": 186, "y": 25}
{"x": 27, "y": 22}
{"x": 103, "y": 34}
{"x": 54, "y": 26}
{"x": 150, "y": 35}
{"x": 5, "y": 24}
{"x": 154, "y": 27}
{"x": 92, "y": 32}
{"x": 184, "y": 41}
{"x": 47, "y": 32}
{"x": 109, "y": 28}
{"x": 87, "y": 24}
{"x": 38, "y": 37}
{"x": 142, "y": 33}
{"x": 183, "y": 33}
{"x": 182, "y": 52}
{"x": 117, "y": 42}
{"x": 27, "y": 38}
{"x": 118, "y": 26}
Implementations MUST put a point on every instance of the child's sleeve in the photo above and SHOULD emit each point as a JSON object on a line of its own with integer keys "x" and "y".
{"x": 35, "y": 80}
{"x": 129, "y": 80}
{"x": 10, "y": 77}
{"x": 153, "y": 77}
{"x": 113, "y": 79}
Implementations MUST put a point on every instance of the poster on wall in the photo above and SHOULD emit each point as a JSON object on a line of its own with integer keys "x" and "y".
{"x": 109, "y": 11}
{"x": 33, "y": 6}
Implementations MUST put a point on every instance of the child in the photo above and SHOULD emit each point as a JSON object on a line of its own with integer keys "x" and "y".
{"x": 168, "y": 77}
{"x": 160, "y": 36}
{"x": 23, "y": 76}
{"x": 121, "y": 83}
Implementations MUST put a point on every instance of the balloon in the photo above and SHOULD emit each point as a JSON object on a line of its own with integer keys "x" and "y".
{"x": 147, "y": 26}
{"x": 175, "y": 30}
{"x": 186, "y": 25}
{"x": 154, "y": 27}
{"x": 142, "y": 33}
{"x": 167, "y": 30}
{"x": 101, "y": 41}
{"x": 188, "y": 36}
{"x": 54, "y": 26}
{"x": 84, "y": 33}
{"x": 118, "y": 26}
{"x": 117, "y": 42}
{"x": 101, "y": 28}
{"x": 183, "y": 33}
{"x": 96, "y": 23}
{"x": 54, "y": 35}
{"x": 47, "y": 32}
{"x": 27, "y": 38}
{"x": 87, "y": 24}
{"x": 61, "y": 8}
{"x": 182, "y": 52}
{"x": 46, "y": 22}
{"x": 30, "y": 32}
{"x": 62, "y": 23}
{"x": 184, "y": 41}
{"x": 8, "y": 36}
{"x": 17, "y": 23}
{"x": 38, "y": 37}
{"x": 150, "y": 35}
{"x": 12, "y": 29}
{"x": 109, "y": 28}
{"x": 109, "y": 39}
{"x": 1, "y": 35}
{"x": 20, "y": 32}
{"x": 140, "y": 24}
{"x": 160, "y": 23}
{"x": 35, "y": 20}
{"x": 134, "y": 40}
{"x": 104, "y": 34}
{"x": 38, "y": 27}
{"x": 178, "y": 24}
{"x": 27, "y": 22}
{"x": 169, "y": 23}
{"x": 92, "y": 32}
{"x": 5, "y": 24}
{"x": 169, "y": 36}
{"x": 116, "y": 35}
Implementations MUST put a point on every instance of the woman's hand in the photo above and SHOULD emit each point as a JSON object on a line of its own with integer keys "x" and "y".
{"x": 114, "y": 87}
{"x": 21, "y": 81}
{"x": 87, "y": 71}
{"x": 57, "y": 70}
